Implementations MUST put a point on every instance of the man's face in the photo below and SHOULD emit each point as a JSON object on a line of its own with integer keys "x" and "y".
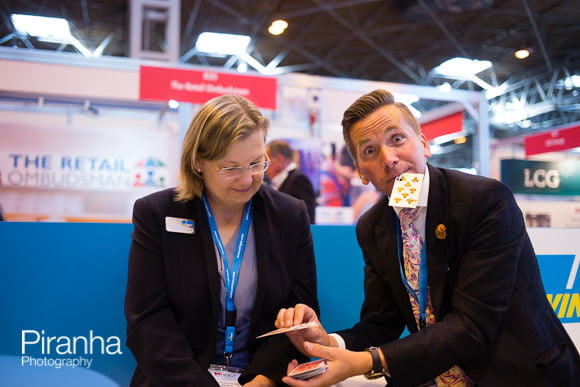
{"x": 387, "y": 146}
{"x": 277, "y": 165}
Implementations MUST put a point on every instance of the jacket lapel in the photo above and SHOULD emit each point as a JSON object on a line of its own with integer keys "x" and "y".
{"x": 263, "y": 248}
{"x": 386, "y": 235}
{"x": 437, "y": 239}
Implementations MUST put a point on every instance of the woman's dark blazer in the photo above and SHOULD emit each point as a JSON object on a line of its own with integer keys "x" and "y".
{"x": 173, "y": 291}
{"x": 493, "y": 316}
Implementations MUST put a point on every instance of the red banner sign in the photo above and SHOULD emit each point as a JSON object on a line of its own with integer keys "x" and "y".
{"x": 452, "y": 123}
{"x": 553, "y": 141}
{"x": 164, "y": 84}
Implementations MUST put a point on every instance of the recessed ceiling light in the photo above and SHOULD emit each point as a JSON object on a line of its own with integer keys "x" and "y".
{"x": 48, "y": 29}
{"x": 522, "y": 53}
{"x": 278, "y": 27}
{"x": 462, "y": 67}
{"x": 225, "y": 44}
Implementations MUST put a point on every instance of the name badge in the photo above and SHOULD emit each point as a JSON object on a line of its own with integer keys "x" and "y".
{"x": 225, "y": 376}
{"x": 180, "y": 225}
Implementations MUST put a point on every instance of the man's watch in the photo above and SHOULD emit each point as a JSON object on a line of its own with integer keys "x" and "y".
{"x": 377, "y": 371}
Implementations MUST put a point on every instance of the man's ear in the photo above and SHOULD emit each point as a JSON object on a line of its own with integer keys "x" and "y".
{"x": 361, "y": 175}
{"x": 426, "y": 146}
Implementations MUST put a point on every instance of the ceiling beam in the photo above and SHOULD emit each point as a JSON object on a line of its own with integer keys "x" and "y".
{"x": 365, "y": 38}
{"x": 539, "y": 37}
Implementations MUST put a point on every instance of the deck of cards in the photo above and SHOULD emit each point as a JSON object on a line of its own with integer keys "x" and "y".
{"x": 308, "y": 370}
{"x": 406, "y": 190}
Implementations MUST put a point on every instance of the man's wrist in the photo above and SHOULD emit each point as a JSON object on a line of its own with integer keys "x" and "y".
{"x": 377, "y": 369}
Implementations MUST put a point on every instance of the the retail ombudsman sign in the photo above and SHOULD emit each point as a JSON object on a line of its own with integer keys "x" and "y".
{"x": 542, "y": 177}
{"x": 80, "y": 172}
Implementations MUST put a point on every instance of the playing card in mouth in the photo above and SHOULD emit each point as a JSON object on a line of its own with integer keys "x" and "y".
{"x": 308, "y": 370}
{"x": 406, "y": 190}
{"x": 311, "y": 324}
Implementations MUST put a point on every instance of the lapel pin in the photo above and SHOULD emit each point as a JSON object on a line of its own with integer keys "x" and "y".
{"x": 441, "y": 232}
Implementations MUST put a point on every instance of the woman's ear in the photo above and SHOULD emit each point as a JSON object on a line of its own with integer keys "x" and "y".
{"x": 197, "y": 166}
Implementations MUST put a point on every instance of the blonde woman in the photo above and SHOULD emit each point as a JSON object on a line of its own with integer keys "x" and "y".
{"x": 213, "y": 260}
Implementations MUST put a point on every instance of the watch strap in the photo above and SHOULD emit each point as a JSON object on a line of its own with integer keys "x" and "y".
{"x": 377, "y": 371}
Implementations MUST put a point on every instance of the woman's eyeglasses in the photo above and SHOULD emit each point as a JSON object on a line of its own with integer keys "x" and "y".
{"x": 255, "y": 169}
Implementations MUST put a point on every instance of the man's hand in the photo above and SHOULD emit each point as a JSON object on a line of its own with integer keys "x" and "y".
{"x": 342, "y": 364}
{"x": 302, "y": 314}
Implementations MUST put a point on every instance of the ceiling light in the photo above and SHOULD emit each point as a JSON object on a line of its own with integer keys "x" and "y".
{"x": 572, "y": 81}
{"x": 522, "y": 53}
{"x": 48, "y": 29}
{"x": 462, "y": 67}
{"x": 225, "y": 44}
{"x": 242, "y": 67}
{"x": 445, "y": 87}
{"x": 278, "y": 27}
{"x": 460, "y": 140}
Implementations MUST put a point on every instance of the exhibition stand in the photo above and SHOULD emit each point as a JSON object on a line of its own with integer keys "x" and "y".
{"x": 66, "y": 282}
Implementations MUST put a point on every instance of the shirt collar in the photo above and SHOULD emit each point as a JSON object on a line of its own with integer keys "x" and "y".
{"x": 279, "y": 178}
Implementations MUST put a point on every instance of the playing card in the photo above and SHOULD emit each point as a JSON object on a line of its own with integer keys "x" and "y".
{"x": 293, "y": 328}
{"x": 406, "y": 190}
{"x": 308, "y": 370}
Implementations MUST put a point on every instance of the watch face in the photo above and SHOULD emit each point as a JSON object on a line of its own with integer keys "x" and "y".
{"x": 374, "y": 375}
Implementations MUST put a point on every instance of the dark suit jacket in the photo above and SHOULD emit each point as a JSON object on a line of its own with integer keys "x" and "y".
{"x": 298, "y": 185}
{"x": 493, "y": 317}
{"x": 172, "y": 301}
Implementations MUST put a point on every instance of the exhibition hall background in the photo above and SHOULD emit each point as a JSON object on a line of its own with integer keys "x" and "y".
{"x": 81, "y": 139}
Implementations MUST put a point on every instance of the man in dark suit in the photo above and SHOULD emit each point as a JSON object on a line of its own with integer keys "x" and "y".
{"x": 286, "y": 177}
{"x": 485, "y": 319}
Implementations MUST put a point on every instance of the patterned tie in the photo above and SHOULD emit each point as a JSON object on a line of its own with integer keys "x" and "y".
{"x": 412, "y": 246}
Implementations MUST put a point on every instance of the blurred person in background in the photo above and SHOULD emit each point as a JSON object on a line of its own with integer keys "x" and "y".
{"x": 285, "y": 176}
{"x": 335, "y": 181}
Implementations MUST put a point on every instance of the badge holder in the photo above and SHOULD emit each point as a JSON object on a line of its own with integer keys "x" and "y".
{"x": 225, "y": 376}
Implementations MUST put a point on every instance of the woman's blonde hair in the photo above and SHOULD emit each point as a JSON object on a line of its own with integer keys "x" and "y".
{"x": 219, "y": 123}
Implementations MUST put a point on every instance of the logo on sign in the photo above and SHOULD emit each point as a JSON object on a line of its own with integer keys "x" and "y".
{"x": 39, "y": 349}
{"x": 541, "y": 178}
{"x": 559, "y": 275}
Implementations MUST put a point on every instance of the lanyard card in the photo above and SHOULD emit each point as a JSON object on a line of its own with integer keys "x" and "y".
{"x": 225, "y": 376}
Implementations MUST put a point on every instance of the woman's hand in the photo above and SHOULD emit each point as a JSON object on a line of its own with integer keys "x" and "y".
{"x": 298, "y": 315}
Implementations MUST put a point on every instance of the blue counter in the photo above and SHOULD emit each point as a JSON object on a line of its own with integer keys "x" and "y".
{"x": 63, "y": 286}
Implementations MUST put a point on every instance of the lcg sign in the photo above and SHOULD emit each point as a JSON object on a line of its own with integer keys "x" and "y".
{"x": 542, "y": 177}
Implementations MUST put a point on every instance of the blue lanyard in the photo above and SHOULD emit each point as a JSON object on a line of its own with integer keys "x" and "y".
{"x": 231, "y": 275}
{"x": 421, "y": 297}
